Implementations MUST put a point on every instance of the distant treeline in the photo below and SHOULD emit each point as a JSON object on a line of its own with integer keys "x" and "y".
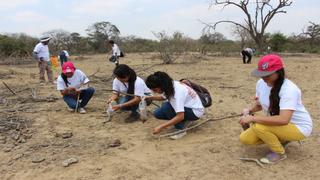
{"x": 98, "y": 34}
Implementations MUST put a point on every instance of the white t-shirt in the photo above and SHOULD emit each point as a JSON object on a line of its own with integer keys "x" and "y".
{"x": 249, "y": 50}
{"x": 115, "y": 50}
{"x": 75, "y": 81}
{"x": 140, "y": 87}
{"x": 185, "y": 96}
{"x": 66, "y": 53}
{"x": 290, "y": 99}
{"x": 42, "y": 51}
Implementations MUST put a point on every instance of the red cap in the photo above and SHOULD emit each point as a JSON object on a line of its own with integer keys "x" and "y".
{"x": 268, "y": 65}
{"x": 68, "y": 67}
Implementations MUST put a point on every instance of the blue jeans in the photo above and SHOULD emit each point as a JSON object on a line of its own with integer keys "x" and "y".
{"x": 124, "y": 99}
{"x": 166, "y": 112}
{"x": 85, "y": 96}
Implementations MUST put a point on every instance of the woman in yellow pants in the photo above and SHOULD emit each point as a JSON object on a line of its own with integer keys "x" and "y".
{"x": 286, "y": 118}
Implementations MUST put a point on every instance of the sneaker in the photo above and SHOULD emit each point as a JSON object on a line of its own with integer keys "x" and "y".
{"x": 132, "y": 118}
{"x": 82, "y": 111}
{"x": 189, "y": 124}
{"x": 70, "y": 109}
{"x": 178, "y": 136}
{"x": 273, "y": 158}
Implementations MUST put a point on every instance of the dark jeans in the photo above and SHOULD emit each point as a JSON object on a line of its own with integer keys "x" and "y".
{"x": 85, "y": 96}
{"x": 244, "y": 55}
{"x": 124, "y": 99}
{"x": 166, "y": 112}
{"x": 115, "y": 59}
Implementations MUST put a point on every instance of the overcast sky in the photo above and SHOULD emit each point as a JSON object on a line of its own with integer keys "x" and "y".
{"x": 139, "y": 17}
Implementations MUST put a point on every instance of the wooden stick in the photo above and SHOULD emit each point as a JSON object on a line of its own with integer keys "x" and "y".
{"x": 9, "y": 88}
{"x": 199, "y": 124}
{"x": 75, "y": 111}
{"x": 252, "y": 159}
{"x": 97, "y": 71}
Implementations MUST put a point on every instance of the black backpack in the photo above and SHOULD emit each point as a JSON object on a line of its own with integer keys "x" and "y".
{"x": 121, "y": 54}
{"x": 202, "y": 92}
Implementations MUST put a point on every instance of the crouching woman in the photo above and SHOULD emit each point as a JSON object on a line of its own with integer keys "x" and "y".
{"x": 127, "y": 82}
{"x": 183, "y": 102}
{"x": 74, "y": 87}
{"x": 286, "y": 118}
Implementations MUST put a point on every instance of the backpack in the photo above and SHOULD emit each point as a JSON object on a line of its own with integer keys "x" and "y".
{"x": 202, "y": 92}
{"x": 121, "y": 54}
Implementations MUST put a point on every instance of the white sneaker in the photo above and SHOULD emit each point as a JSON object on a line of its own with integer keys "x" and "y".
{"x": 70, "y": 109}
{"x": 82, "y": 111}
{"x": 178, "y": 136}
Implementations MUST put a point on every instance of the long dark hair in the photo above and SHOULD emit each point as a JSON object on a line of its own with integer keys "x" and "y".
{"x": 163, "y": 81}
{"x": 123, "y": 71}
{"x": 65, "y": 78}
{"x": 274, "y": 98}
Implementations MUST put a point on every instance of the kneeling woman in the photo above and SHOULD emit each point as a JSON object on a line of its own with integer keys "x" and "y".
{"x": 286, "y": 118}
{"x": 183, "y": 102}
{"x": 73, "y": 85}
{"x": 127, "y": 82}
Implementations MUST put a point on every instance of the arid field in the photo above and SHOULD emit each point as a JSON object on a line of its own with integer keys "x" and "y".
{"x": 37, "y": 133}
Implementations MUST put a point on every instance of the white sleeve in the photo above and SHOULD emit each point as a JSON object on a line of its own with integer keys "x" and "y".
{"x": 60, "y": 84}
{"x": 116, "y": 85}
{"x": 257, "y": 89}
{"x": 289, "y": 99}
{"x": 66, "y": 53}
{"x": 83, "y": 78}
{"x": 114, "y": 50}
{"x": 139, "y": 87}
{"x": 37, "y": 48}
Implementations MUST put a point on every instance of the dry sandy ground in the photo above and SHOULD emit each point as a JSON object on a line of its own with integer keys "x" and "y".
{"x": 211, "y": 151}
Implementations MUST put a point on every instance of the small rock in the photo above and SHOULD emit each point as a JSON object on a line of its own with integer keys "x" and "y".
{"x": 115, "y": 143}
{"x": 69, "y": 161}
{"x": 220, "y": 101}
{"x": 28, "y": 136}
{"x": 17, "y": 156}
{"x": 15, "y": 136}
{"x": 3, "y": 141}
{"x": 22, "y": 140}
{"x": 3, "y": 138}
{"x": 44, "y": 145}
{"x": 37, "y": 159}
{"x": 8, "y": 148}
{"x": 66, "y": 135}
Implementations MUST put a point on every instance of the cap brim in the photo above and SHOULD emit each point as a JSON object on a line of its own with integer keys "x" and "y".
{"x": 258, "y": 73}
{"x": 44, "y": 40}
{"x": 67, "y": 71}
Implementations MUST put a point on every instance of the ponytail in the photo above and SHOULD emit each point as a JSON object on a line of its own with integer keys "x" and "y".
{"x": 274, "y": 107}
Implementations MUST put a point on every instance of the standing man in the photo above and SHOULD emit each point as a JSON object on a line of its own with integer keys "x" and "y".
{"x": 41, "y": 53}
{"x": 116, "y": 53}
{"x": 247, "y": 52}
{"x": 63, "y": 56}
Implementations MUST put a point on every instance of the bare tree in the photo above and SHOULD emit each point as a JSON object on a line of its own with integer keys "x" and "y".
{"x": 60, "y": 40}
{"x": 242, "y": 34}
{"x": 100, "y": 32}
{"x": 256, "y": 21}
{"x": 208, "y": 39}
{"x": 171, "y": 48}
{"x": 312, "y": 33}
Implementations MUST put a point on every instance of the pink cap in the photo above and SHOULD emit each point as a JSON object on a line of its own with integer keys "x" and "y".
{"x": 68, "y": 67}
{"x": 268, "y": 65}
